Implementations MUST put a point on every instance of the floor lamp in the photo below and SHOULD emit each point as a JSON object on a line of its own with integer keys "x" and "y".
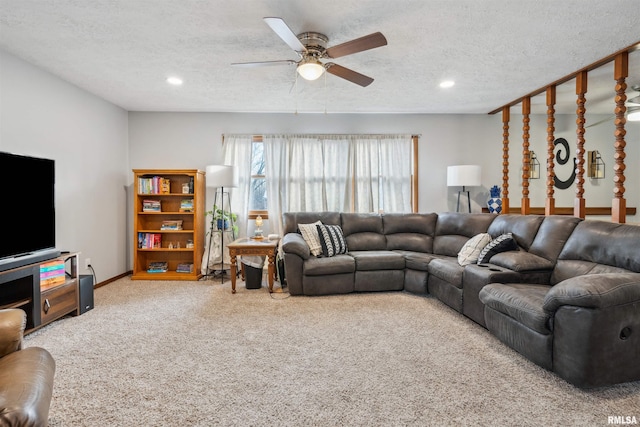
{"x": 220, "y": 176}
{"x": 463, "y": 176}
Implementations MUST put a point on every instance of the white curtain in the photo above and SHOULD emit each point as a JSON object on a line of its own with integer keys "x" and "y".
{"x": 237, "y": 152}
{"x": 345, "y": 173}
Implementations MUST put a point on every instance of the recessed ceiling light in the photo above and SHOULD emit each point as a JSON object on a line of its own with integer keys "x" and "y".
{"x": 447, "y": 83}
{"x": 176, "y": 81}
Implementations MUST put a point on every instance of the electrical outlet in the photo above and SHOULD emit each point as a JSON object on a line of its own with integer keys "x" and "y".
{"x": 87, "y": 263}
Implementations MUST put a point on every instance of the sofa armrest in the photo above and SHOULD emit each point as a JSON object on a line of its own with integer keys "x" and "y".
{"x": 521, "y": 261}
{"x": 12, "y": 324}
{"x": 594, "y": 291}
{"x": 293, "y": 243}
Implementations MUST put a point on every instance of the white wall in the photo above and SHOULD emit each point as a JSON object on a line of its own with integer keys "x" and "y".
{"x": 44, "y": 116}
{"x": 194, "y": 140}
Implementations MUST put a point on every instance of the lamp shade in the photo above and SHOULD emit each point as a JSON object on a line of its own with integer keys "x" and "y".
{"x": 221, "y": 176}
{"x": 464, "y": 176}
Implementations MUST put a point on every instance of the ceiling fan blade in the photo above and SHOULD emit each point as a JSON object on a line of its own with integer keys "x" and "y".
{"x": 263, "y": 63}
{"x": 284, "y": 32}
{"x": 347, "y": 74}
{"x": 358, "y": 45}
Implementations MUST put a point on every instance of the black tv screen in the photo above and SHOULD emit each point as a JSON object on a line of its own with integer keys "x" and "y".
{"x": 27, "y": 210}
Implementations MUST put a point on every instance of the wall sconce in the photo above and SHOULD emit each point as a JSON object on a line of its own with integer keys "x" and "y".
{"x": 595, "y": 169}
{"x": 534, "y": 166}
{"x": 257, "y": 233}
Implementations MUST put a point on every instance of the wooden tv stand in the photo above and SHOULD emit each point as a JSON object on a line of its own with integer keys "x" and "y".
{"x": 21, "y": 288}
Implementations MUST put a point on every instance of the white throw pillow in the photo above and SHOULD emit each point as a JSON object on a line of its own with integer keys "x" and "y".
{"x": 471, "y": 250}
{"x": 310, "y": 235}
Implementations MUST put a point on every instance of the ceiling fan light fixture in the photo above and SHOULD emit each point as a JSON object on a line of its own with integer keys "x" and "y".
{"x": 310, "y": 69}
{"x": 173, "y": 80}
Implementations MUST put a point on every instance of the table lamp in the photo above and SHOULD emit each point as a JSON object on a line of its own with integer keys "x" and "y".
{"x": 257, "y": 233}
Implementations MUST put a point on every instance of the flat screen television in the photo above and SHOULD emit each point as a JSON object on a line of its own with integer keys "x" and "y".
{"x": 27, "y": 210}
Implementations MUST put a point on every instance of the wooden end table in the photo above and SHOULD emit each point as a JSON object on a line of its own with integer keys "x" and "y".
{"x": 249, "y": 246}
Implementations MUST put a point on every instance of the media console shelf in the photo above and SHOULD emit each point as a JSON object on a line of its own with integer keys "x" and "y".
{"x": 21, "y": 288}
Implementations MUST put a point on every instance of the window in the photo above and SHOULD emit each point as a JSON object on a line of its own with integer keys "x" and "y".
{"x": 364, "y": 182}
{"x": 257, "y": 185}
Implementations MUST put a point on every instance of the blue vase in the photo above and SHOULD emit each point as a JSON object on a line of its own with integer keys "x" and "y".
{"x": 495, "y": 205}
{"x": 220, "y": 223}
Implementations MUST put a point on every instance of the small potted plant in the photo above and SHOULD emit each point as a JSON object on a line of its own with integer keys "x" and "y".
{"x": 223, "y": 219}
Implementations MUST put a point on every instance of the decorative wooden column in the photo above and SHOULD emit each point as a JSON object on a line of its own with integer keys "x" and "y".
{"x": 525, "y": 205}
{"x": 581, "y": 89}
{"x": 620, "y": 73}
{"x": 550, "y": 203}
{"x": 505, "y": 159}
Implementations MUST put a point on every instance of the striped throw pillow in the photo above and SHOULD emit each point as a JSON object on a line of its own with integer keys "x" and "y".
{"x": 332, "y": 240}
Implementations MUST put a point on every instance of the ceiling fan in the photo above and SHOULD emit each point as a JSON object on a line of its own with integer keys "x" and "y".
{"x": 311, "y": 47}
{"x": 633, "y": 109}
{"x": 633, "y": 113}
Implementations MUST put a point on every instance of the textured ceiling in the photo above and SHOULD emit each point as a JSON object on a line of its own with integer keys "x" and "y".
{"x": 495, "y": 50}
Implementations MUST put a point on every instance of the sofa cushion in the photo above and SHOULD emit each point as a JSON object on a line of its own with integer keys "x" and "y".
{"x": 378, "y": 260}
{"x": 447, "y": 269}
{"x": 409, "y": 232}
{"x": 552, "y": 236}
{"x": 310, "y": 235}
{"x": 522, "y": 302}
{"x": 471, "y": 250}
{"x": 502, "y": 243}
{"x": 566, "y": 269}
{"x": 324, "y": 266}
{"x": 417, "y": 260}
{"x": 363, "y": 232}
{"x": 453, "y": 229}
{"x": 622, "y": 248}
{"x": 523, "y": 228}
{"x": 332, "y": 240}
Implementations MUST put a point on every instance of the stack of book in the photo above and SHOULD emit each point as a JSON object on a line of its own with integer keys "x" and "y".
{"x": 151, "y": 206}
{"x": 157, "y": 267}
{"x": 186, "y": 205}
{"x": 52, "y": 273}
{"x": 154, "y": 185}
{"x": 171, "y": 225}
{"x": 149, "y": 241}
{"x": 184, "y": 268}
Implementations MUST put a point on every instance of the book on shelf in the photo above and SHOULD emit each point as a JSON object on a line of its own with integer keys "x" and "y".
{"x": 151, "y": 206}
{"x": 154, "y": 185}
{"x": 149, "y": 240}
{"x": 186, "y": 205}
{"x": 52, "y": 273}
{"x": 158, "y": 267}
{"x": 184, "y": 268}
{"x": 171, "y": 225}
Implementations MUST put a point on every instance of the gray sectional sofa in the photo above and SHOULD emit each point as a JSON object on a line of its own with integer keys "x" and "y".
{"x": 568, "y": 298}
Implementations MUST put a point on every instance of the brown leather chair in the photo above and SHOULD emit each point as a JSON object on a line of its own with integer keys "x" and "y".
{"x": 26, "y": 375}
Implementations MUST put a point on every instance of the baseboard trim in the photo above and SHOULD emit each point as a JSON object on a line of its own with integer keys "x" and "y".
{"x": 113, "y": 279}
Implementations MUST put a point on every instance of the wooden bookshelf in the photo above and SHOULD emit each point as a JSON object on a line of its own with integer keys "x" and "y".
{"x": 172, "y": 247}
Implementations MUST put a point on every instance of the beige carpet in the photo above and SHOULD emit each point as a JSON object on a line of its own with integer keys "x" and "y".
{"x": 193, "y": 354}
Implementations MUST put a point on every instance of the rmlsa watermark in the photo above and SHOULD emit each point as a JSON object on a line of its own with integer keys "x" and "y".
{"x": 621, "y": 420}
